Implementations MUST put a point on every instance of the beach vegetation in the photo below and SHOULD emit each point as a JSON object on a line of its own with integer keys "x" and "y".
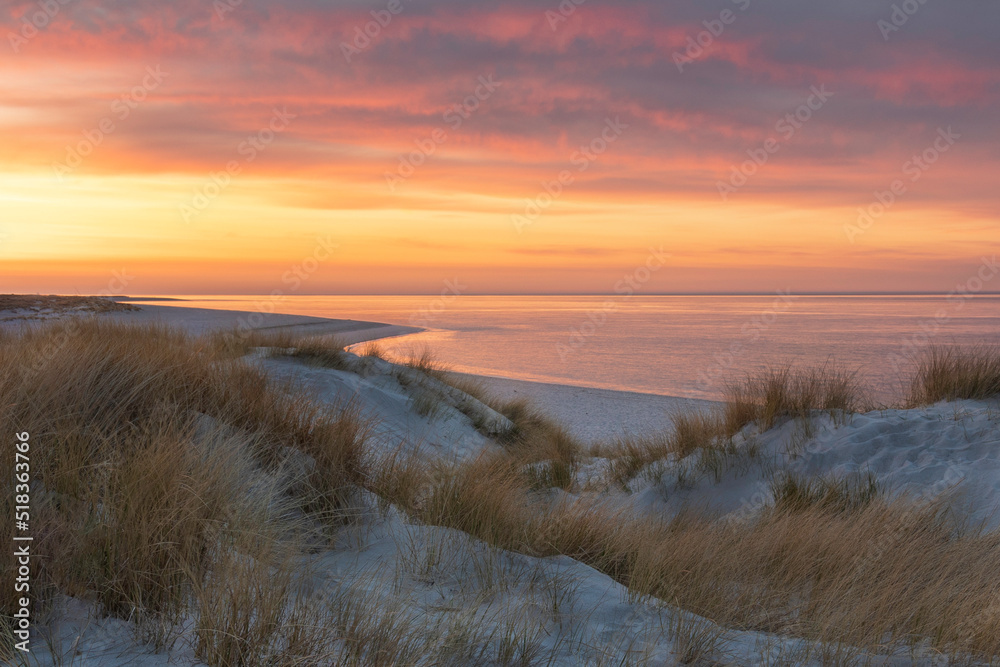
{"x": 183, "y": 489}
{"x": 766, "y": 397}
{"x": 955, "y": 373}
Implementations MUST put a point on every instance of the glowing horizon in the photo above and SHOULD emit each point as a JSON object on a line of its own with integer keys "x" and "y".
{"x": 208, "y": 149}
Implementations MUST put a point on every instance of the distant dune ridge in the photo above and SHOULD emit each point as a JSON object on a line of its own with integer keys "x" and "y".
{"x": 203, "y": 494}
{"x": 35, "y": 307}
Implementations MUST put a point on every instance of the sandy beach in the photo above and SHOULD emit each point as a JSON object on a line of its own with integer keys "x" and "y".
{"x": 590, "y": 414}
{"x": 594, "y": 414}
{"x": 643, "y": 333}
{"x": 458, "y": 516}
{"x": 198, "y": 321}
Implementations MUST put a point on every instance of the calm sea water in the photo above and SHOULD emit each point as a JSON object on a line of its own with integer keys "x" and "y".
{"x": 672, "y": 345}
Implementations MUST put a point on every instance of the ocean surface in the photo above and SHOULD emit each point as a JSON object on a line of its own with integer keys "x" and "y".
{"x": 688, "y": 346}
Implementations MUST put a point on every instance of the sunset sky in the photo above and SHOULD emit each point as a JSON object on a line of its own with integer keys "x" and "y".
{"x": 210, "y": 148}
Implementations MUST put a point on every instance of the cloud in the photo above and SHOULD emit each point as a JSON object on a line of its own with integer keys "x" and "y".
{"x": 566, "y": 251}
{"x": 355, "y": 121}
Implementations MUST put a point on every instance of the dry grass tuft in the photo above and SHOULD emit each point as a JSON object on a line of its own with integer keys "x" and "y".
{"x": 242, "y": 606}
{"x": 401, "y": 479}
{"x": 846, "y": 494}
{"x": 696, "y": 640}
{"x": 336, "y": 444}
{"x": 950, "y": 373}
{"x": 470, "y": 385}
{"x": 151, "y": 450}
{"x": 239, "y": 342}
{"x": 630, "y": 455}
{"x": 158, "y": 518}
{"x": 465, "y": 394}
{"x": 484, "y": 498}
{"x": 426, "y": 403}
{"x": 326, "y": 351}
{"x": 154, "y": 493}
{"x": 694, "y": 431}
{"x": 761, "y": 399}
{"x": 423, "y": 360}
{"x": 830, "y": 560}
{"x": 534, "y": 438}
{"x": 374, "y": 350}
{"x": 539, "y": 442}
{"x": 765, "y": 398}
{"x": 703, "y": 432}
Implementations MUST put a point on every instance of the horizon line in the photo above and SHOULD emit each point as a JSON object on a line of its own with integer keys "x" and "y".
{"x": 609, "y": 294}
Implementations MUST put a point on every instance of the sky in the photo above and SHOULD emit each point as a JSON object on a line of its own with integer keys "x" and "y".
{"x": 392, "y": 146}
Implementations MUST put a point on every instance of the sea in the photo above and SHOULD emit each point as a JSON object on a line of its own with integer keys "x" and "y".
{"x": 688, "y": 346}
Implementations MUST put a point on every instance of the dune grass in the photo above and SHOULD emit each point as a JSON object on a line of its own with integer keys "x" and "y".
{"x": 831, "y": 561}
{"x": 325, "y": 351}
{"x": 768, "y": 396}
{"x": 423, "y": 360}
{"x": 37, "y": 304}
{"x": 761, "y": 399}
{"x": 373, "y": 349}
{"x": 953, "y": 373}
{"x": 703, "y": 431}
{"x": 238, "y": 343}
{"x": 155, "y": 447}
{"x": 549, "y": 450}
{"x": 534, "y": 438}
{"x": 797, "y": 493}
{"x": 157, "y": 496}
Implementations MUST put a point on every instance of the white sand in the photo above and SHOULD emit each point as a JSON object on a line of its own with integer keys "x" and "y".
{"x": 590, "y": 414}
{"x": 946, "y": 450}
{"x": 593, "y": 414}
{"x": 448, "y": 434}
{"x": 201, "y": 320}
{"x": 572, "y": 613}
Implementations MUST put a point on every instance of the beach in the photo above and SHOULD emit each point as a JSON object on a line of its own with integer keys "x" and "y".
{"x": 197, "y": 321}
{"x": 688, "y": 346}
{"x": 449, "y": 334}
{"x": 594, "y": 414}
{"x": 590, "y": 413}
{"x": 481, "y": 520}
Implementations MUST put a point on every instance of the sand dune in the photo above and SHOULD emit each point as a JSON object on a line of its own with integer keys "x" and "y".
{"x": 433, "y": 583}
{"x": 200, "y": 320}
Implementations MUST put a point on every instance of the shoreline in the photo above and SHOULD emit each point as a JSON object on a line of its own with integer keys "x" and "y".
{"x": 589, "y": 413}
{"x": 286, "y": 446}
{"x": 593, "y": 414}
{"x": 198, "y": 321}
